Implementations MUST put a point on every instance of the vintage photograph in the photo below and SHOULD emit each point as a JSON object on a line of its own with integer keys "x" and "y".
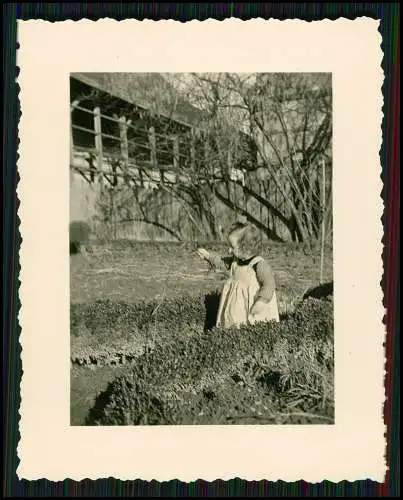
{"x": 201, "y": 249}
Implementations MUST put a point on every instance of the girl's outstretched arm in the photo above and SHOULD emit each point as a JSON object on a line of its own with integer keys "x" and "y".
{"x": 217, "y": 261}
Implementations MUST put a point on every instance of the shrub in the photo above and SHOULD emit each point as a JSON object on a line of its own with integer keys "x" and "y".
{"x": 188, "y": 310}
{"x": 323, "y": 291}
{"x": 171, "y": 383}
{"x": 106, "y": 332}
{"x": 79, "y": 235}
{"x": 130, "y": 403}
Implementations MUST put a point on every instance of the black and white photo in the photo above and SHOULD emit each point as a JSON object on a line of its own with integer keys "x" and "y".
{"x": 201, "y": 248}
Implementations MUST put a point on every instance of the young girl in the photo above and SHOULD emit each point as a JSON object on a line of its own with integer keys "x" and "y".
{"x": 249, "y": 294}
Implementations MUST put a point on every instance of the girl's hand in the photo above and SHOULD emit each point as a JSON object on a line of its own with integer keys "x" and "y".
{"x": 251, "y": 319}
{"x": 259, "y": 307}
{"x": 203, "y": 253}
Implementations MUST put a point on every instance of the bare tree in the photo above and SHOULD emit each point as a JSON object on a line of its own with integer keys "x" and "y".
{"x": 288, "y": 120}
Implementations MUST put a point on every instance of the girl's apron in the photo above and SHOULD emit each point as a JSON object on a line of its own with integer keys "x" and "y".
{"x": 238, "y": 297}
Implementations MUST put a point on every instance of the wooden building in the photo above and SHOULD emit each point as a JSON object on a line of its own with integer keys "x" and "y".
{"x": 133, "y": 129}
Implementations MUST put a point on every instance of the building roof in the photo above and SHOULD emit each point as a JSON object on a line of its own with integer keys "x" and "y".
{"x": 145, "y": 90}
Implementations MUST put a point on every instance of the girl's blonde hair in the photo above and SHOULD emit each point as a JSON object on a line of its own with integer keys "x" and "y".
{"x": 247, "y": 237}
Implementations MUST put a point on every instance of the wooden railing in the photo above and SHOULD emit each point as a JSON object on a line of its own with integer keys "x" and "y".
{"x": 130, "y": 158}
{"x": 147, "y": 154}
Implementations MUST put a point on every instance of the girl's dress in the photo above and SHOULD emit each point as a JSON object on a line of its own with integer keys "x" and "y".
{"x": 238, "y": 296}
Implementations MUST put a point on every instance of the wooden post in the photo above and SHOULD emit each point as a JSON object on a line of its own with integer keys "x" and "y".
{"x": 124, "y": 146}
{"x": 275, "y": 200}
{"x": 261, "y": 209}
{"x": 114, "y": 173}
{"x": 244, "y": 186}
{"x": 268, "y": 197}
{"x": 141, "y": 177}
{"x": 153, "y": 146}
{"x": 323, "y": 200}
{"x": 98, "y": 143}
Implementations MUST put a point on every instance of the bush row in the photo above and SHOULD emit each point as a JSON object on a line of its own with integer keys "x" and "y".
{"x": 97, "y": 328}
{"x": 100, "y": 355}
{"x": 118, "y": 346}
{"x": 110, "y": 333}
{"x": 107, "y": 332}
{"x": 188, "y": 310}
{"x": 182, "y": 378}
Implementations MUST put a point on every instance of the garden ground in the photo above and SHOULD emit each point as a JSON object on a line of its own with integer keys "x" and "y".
{"x": 136, "y": 272}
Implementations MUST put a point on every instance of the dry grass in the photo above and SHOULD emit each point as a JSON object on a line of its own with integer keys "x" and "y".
{"x": 141, "y": 271}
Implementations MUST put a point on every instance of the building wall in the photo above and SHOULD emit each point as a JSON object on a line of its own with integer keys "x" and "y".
{"x": 83, "y": 196}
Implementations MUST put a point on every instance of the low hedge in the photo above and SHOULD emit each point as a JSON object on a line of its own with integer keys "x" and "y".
{"x": 113, "y": 347}
{"x": 169, "y": 384}
{"x": 101, "y": 314}
{"x": 108, "y": 332}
